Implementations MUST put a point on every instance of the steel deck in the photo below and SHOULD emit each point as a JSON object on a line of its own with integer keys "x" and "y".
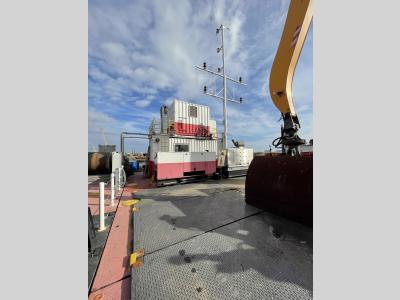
{"x": 202, "y": 241}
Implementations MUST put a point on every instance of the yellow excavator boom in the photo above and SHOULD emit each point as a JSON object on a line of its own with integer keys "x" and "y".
{"x": 294, "y": 34}
{"x": 283, "y": 185}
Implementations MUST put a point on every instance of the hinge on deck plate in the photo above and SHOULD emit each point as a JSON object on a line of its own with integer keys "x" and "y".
{"x": 137, "y": 258}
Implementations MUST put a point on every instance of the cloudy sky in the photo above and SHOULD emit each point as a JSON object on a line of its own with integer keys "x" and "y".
{"x": 142, "y": 55}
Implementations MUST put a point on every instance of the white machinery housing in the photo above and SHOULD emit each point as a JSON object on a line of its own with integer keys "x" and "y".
{"x": 116, "y": 160}
{"x": 235, "y": 161}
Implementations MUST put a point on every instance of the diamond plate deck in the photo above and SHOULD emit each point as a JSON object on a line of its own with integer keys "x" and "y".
{"x": 165, "y": 220}
{"x": 214, "y": 246}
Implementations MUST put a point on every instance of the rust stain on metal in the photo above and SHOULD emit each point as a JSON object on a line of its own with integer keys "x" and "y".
{"x": 282, "y": 185}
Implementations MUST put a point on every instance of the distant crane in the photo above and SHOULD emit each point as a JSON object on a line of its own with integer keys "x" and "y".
{"x": 104, "y": 136}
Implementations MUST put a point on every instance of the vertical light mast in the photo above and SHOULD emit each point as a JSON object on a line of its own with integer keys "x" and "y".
{"x": 224, "y": 89}
{"x": 224, "y": 142}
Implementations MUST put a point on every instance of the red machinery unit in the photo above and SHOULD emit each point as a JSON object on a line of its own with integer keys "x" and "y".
{"x": 183, "y": 143}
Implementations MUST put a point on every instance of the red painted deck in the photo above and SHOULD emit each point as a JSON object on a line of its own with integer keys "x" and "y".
{"x": 112, "y": 280}
{"x": 120, "y": 290}
{"x": 93, "y": 202}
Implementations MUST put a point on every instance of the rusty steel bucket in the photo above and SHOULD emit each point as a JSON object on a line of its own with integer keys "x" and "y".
{"x": 99, "y": 162}
{"x": 282, "y": 185}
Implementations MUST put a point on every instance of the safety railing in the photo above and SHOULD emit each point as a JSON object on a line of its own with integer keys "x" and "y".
{"x": 117, "y": 182}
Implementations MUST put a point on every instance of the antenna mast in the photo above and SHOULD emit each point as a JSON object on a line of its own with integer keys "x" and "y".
{"x": 225, "y": 77}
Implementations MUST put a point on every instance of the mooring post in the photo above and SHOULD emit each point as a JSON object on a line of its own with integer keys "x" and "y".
{"x": 101, "y": 206}
{"x": 112, "y": 188}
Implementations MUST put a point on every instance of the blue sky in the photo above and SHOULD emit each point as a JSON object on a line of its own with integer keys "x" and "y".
{"x": 142, "y": 55}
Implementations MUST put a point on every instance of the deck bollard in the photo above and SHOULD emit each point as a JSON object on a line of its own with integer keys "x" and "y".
{"x": 112, "y": 189}
{"x": 101, "y": 206}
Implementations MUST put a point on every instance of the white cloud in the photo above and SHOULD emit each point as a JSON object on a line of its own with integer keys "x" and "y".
{"x": 115, "y": 51}
{"x": 168, "y": 49}
{"x": 142, "y": 103}
{"x": 141, "y": 51}
{"x": 168, "y": 101}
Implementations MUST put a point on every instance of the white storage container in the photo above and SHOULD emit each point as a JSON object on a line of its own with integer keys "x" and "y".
{"x": 165, "y": 143}
{"x": 188, "y": 119}
{"x": 189, "y": 113}
{"x": 194, "y": 145}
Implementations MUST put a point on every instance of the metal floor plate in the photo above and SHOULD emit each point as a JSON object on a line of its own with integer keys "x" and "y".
{"x": 165, "y": 220}
{"x": 204, "y": 189}
{"x": 214, "y": 246}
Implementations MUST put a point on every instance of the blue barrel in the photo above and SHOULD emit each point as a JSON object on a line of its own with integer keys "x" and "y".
{"x": 134, "y": 165}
